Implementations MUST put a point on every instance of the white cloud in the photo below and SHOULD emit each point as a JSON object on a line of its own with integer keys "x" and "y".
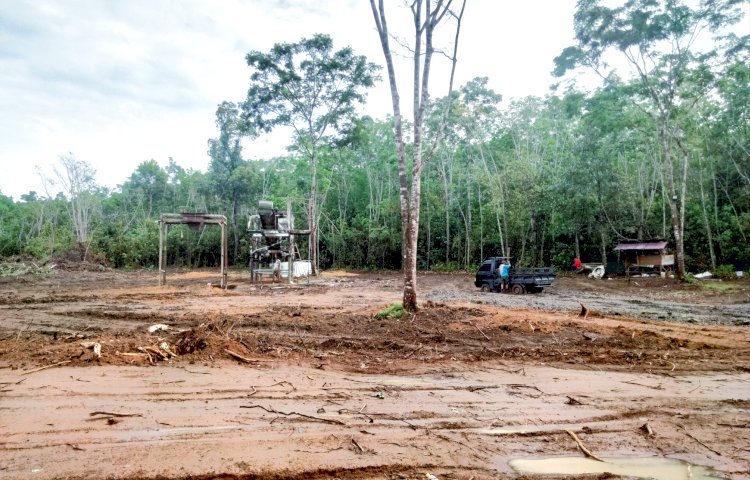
{"x": 118, "y": 83}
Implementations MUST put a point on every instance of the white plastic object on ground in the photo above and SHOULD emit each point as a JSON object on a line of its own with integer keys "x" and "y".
{"x": 597, "y": 272}
{"x": 705, "y": 274}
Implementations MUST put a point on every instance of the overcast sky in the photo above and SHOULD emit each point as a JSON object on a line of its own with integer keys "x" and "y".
{"x": 119, "y": 82}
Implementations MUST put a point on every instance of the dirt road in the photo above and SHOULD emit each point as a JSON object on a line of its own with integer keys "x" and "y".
{"x": 304, "y": 382}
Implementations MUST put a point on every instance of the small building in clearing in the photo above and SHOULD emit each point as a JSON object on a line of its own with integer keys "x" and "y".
{"x": 645, "y": 256}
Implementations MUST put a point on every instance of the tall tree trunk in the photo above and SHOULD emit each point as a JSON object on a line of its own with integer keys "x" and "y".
{"x": 676, "y": 213}
{"x": 445, "y": 180}
{"x": 706, "y": 222}
{"x": 410, "y": 197}
{"x": 481, "y": 222}
{"x": 532, "y": 238}
{"x": 429, "y": 236}
{"x": 410, "y": 242}
{"x": 313, "y": 212}
{"x": 447, "y": 233}
{"x": 468, "y": 224}
{"x": 542, "y": 237}
{"x": 503, "y": 252}
{"x": 234, "y": 227}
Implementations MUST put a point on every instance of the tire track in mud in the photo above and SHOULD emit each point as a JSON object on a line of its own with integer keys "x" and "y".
{"x": 467, "y": 423}
{"x": 553, "y": 299}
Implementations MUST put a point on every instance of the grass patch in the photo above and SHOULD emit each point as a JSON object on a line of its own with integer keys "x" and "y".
{"x": 394, "y": 310}
{"x": 722, "y": 287}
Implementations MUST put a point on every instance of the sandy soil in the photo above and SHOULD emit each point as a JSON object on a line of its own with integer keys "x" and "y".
{"x": 303, "y": 381}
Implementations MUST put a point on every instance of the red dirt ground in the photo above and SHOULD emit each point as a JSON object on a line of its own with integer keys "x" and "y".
{"x": 303, "y": 381}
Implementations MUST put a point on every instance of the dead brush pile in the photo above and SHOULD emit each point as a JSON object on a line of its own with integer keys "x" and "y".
{"x": 212, "y": 339}
{"x": 18, "y": 265}
{"x": 78, "y": 260}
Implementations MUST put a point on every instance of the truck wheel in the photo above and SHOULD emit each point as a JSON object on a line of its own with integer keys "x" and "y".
{"x": 485, "y": 288}
{"x": 518, "y": 289}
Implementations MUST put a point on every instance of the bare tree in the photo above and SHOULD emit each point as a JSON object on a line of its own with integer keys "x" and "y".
{"x": 427, "y": 15}
{"x": 76, "y": 179}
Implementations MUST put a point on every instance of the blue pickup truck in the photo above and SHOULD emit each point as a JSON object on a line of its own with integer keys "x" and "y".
{"x": 522, "y": 280}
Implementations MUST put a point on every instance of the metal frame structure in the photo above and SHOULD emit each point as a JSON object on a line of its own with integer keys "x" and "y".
{"x": 194, "y": 221}
{"x": 272, "y": 234}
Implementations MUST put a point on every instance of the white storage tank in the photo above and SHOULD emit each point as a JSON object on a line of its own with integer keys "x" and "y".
{"x": 302, "y": 268}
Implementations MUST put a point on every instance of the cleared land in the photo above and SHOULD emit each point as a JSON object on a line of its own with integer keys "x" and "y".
{"x": 304, "y": 381}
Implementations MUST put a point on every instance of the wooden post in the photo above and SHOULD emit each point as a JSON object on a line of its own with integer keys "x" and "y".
{"x": 162, "y": 252}
{"x": 223, "y": 255}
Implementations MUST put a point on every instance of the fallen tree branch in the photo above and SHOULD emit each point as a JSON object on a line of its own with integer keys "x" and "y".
{"x": 271, "y": 410}
{"x": 126, "y": 354}
{"x": 479, "y": 330}
{"x": 354, "y": 412}
{"x": 478, "y": 387}
{"x": 361, "y": 450}
{"x": 156, "y": 352}
{"x": 112, "y": 414}
{"x": 148, "y": 355}
{"x": 13, "y": 383}
{"x": 420, "y": 347}
{"x": 632, "y": 382}
{"x": 541, "y": 433}
{"x": 196, "y": 373}
{"x": 282, "y": 383}
{"x": 703, "y": 444}
{"x": 583, "y": 448}
{"x": 46, "y": 367}
{"x": 238, "y": 356}
{"x": 733, "y": 425}
{"x": 523, "y": 385}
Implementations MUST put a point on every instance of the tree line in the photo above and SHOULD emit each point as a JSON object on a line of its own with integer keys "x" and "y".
{"x": 664, "y": 154}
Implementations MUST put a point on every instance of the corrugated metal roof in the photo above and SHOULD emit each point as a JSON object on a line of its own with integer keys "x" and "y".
{"x": 642, "y": 246}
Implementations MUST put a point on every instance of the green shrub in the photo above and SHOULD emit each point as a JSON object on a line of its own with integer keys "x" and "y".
{"x": 562, "y": 255}
{"x": 725, "y": 272}
{"x": 394, "y": 310}
{"x": 446, "y": 267}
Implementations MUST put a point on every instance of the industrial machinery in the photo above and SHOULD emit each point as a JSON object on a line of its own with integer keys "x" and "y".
{"x": 274, "y": 252}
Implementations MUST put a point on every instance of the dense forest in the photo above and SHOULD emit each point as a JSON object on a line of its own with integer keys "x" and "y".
{"x": 546, "y": 179}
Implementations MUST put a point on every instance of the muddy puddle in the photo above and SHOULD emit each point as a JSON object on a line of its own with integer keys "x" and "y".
{"x": 647, "y": 468}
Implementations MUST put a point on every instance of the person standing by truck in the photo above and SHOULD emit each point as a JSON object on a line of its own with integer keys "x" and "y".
{"x": 505, "y": 275}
